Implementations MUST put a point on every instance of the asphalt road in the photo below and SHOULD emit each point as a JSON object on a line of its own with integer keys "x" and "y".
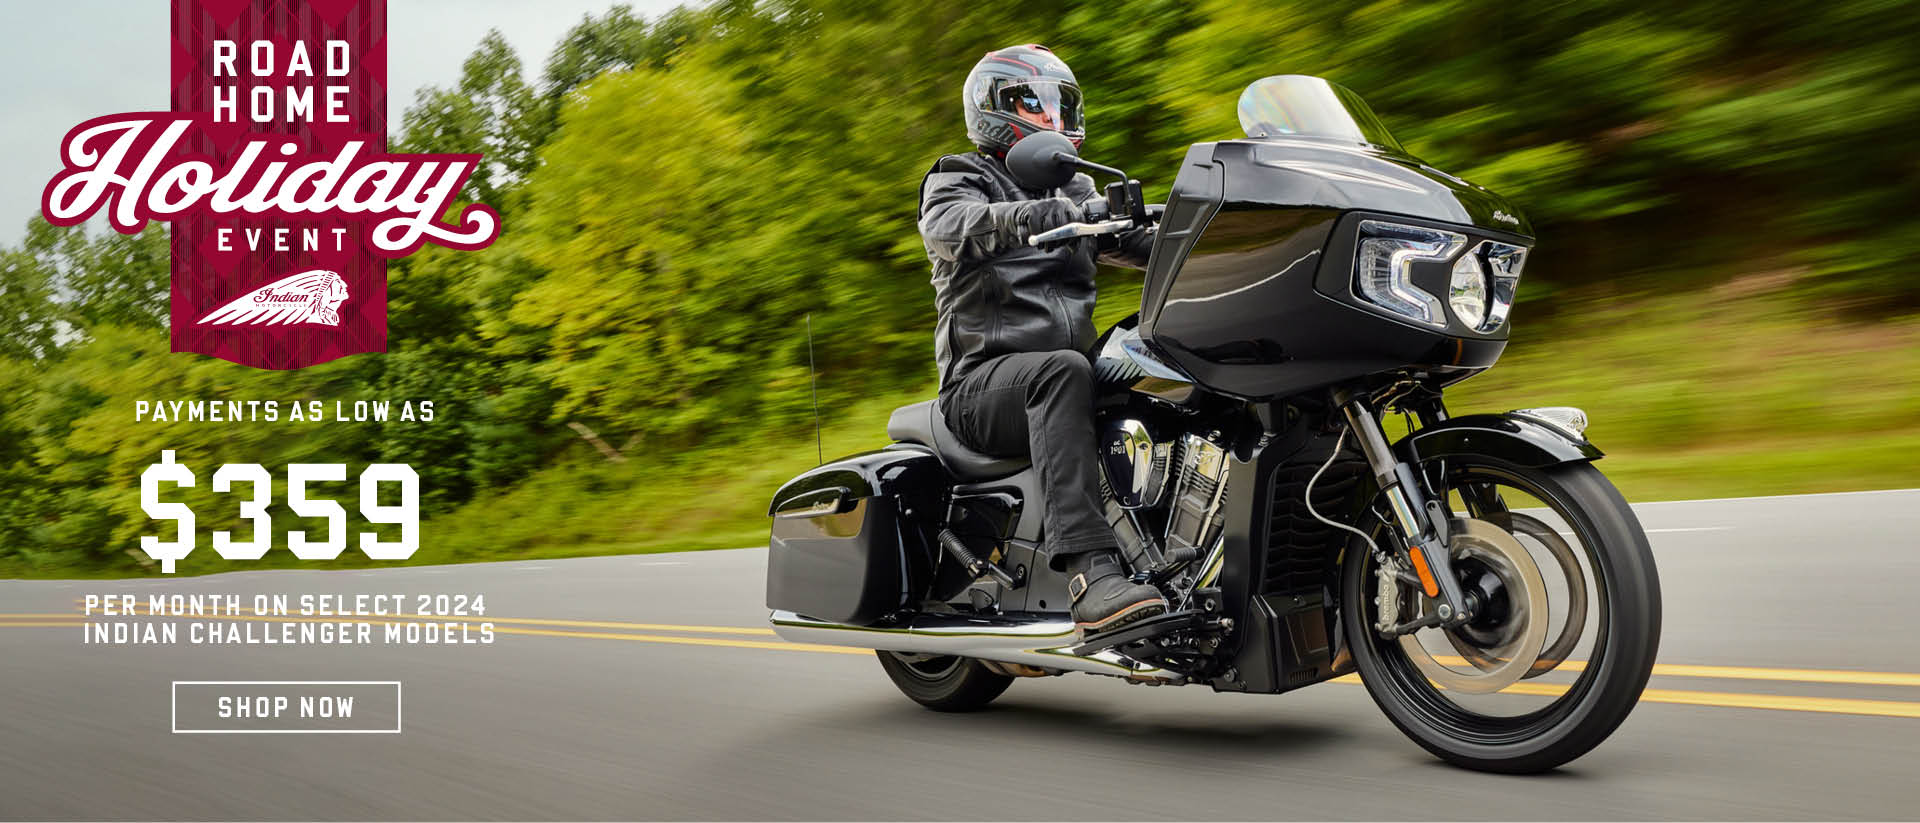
{"x": 653, "y": 691}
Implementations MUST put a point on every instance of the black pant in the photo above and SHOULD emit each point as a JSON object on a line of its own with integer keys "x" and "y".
{"x": 1039, "y": 404}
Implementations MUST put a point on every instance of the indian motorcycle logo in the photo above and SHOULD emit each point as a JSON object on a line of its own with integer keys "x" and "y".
{"x": 272, "y": 171}
{"x": 307, "y": 297}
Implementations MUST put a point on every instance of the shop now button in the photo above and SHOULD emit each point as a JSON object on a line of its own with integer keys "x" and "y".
{"x": 286, "y": 707}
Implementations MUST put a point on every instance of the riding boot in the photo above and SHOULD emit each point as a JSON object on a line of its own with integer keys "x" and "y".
{"x": 1104, "y": 597}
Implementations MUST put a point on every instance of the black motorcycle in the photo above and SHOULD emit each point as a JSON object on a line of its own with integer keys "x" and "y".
{"x": 1308, "y": 287}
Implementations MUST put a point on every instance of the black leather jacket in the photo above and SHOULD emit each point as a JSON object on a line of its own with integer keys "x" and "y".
{"x": 994, "y": 293}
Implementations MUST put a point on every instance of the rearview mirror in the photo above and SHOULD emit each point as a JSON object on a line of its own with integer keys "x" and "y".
{"x": 1035, "y": 160}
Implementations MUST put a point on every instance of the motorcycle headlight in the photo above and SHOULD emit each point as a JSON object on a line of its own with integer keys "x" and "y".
{"x": 1503, "y": 262}
{"x": 1467, "y": 291}
{"x": 1383, "y": 266}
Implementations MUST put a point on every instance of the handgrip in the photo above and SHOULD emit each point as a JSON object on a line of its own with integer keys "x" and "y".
{"x": 1072, "y": 230}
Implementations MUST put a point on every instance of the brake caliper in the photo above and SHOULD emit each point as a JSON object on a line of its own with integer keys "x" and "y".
{"x": 1386, "y": 601}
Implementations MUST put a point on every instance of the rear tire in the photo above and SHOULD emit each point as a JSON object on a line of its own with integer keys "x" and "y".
{"x": 1599, "y": 700}
{"x": 944, "y": 683}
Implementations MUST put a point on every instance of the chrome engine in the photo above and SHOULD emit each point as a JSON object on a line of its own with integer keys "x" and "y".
{"x": 1199, "y": 488}
{"x": 1136, "y": 478}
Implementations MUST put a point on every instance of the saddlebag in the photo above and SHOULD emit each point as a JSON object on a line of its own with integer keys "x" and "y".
{"x": 843, "y": 548}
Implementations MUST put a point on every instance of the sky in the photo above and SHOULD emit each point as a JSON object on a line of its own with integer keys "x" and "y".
{"x": 71, "y": 60}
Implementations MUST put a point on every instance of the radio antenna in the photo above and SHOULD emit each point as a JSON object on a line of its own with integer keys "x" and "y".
{"x": 814, "y": 383}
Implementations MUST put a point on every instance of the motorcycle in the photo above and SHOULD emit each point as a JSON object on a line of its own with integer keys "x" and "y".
{"x": 1312, "y": 291}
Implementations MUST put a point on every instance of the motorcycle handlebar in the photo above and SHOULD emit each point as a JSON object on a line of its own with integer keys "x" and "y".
{"x": 1072, "y": 230}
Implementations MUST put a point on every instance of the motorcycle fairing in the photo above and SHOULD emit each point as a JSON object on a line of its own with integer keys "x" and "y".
{"x": 1249, "y": 286}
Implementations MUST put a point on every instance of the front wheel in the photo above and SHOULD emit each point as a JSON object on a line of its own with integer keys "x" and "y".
{"x": 944, "y": 683}
{"x": 1563, "y": 637}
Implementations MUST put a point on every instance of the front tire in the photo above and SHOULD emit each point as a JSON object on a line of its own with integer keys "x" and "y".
{"x": 944, "y": 683}
{"x": 1609, "y": 684}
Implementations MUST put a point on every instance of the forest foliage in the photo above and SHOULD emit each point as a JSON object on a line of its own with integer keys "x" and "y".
{"x": 679, "y": 195}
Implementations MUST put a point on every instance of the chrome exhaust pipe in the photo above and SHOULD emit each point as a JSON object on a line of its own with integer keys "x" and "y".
{"x": 1040, "y": 642}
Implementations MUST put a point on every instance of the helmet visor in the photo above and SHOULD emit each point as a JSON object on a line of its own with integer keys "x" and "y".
{"x": 1048, "y": 104}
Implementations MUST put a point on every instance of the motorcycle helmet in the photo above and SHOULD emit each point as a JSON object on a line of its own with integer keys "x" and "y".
{"x": 1018, "y": 90}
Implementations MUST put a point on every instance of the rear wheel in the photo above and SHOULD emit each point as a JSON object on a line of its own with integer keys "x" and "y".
{"x": 944, "y": 683}
{"x": 1562, "y": 643}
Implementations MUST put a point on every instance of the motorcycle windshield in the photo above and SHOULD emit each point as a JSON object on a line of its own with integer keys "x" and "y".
{"x": 1304, "y": 106}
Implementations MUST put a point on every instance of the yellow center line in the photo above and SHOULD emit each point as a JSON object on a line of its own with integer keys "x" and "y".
{"x": 777, "y": 645}
{"x": 1832, "y": 705}
{"x": 605, "y": 624}
{"x": 1729, "y": 700}
{"x": 1800, "y": 675}
{"x": 1837, "y": 676}
{"x": 1829, "y": 705}
{"x": 1826, "y": 705}
{"x": 1843, "y": 676}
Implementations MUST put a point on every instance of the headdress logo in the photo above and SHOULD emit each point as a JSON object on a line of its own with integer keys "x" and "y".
{"x": 307, "y": 297}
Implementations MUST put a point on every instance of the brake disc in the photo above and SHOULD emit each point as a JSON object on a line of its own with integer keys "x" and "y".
{"x": 1517, "y": 643}
{"x": 1576, "y": 620}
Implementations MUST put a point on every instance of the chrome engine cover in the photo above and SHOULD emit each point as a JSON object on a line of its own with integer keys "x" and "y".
{"x": 1135, "y": 466}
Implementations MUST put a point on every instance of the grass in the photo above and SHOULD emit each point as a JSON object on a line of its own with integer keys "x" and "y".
{"x": 1727, "y": 392}
{"x": 1736, "y": 390}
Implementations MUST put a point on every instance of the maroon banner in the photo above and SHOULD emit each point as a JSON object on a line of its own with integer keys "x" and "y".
{"x": 270, "y": 85}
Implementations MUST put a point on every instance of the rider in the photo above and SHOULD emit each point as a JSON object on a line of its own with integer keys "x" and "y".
{"x": 1016, "y": 322}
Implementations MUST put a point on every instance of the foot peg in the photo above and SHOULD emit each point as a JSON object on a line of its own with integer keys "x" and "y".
{"x": 974, "y": 565}
{"x": 1143, "y": 632}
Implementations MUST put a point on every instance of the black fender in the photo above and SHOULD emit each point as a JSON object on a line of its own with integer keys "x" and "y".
{"x": 1507, "y": 437}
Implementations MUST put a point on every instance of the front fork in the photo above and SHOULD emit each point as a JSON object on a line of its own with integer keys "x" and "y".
{"x": 1422, "y": 523}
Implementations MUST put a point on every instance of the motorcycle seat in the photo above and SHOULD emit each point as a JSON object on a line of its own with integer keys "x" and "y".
{"x": 923, "y": 423}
